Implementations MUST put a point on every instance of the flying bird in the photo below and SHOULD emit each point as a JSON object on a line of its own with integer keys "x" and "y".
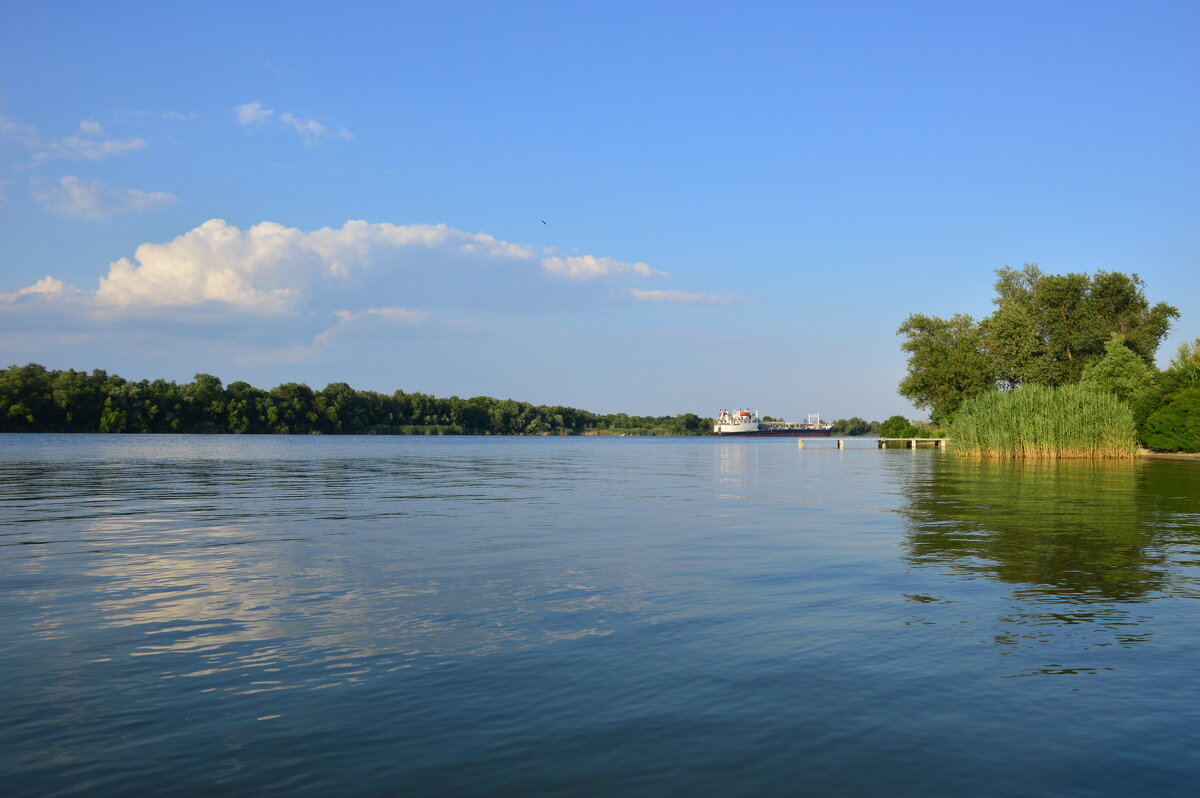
{"x": 543, "y": 221}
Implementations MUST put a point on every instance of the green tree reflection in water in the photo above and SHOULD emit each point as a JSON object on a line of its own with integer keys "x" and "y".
{"x": 1085, "y": 544}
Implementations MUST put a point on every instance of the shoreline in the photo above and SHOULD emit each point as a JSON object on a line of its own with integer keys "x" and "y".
{"x": 1169, "y": 455}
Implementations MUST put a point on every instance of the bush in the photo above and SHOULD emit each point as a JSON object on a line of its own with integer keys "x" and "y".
{"x": 1175, "y": 427}
{"x": 897, "y": 427}
{"x": 851, "y": 426}
{"x": 1121, "y": 372}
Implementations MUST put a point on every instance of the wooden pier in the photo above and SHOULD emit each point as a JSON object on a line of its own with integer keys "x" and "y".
{"x": 883, "y": 443}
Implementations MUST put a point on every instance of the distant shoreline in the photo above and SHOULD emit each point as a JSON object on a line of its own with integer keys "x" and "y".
{"x": 1148, "y": 453}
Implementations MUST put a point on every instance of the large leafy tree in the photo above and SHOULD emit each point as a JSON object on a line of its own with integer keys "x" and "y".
{"x": 1185, "y": 366}
{"x": 1047, "y": 328}
{"x": 947, "y": 363}
{"x": 291, "y": 409}
{"x": 206, "y": 399}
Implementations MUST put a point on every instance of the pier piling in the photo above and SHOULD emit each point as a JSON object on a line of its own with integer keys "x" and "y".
{"x": 882, "y": 443}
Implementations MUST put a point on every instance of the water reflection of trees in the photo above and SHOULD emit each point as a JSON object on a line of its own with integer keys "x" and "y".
{"x": 1070, "y": 531}
{"x": 1085, "y": 546}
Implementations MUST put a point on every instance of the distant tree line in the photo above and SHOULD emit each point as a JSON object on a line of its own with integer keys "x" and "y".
{"x": 1096, "y": 331}
{"x": 893, "y": 427}
{"x": 36, "y": 399}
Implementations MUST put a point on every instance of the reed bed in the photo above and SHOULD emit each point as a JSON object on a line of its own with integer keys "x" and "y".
{"x": 1039, "y": 422}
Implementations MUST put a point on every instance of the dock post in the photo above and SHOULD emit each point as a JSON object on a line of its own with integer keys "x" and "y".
{"x": 841, "y": 443}
{"x": 799, "y": 443}
{"x": 912, "y": 444}
{"x": 882, "y": 443}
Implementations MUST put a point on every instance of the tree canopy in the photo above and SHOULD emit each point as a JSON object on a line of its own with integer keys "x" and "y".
{"x": 947, "y": 363}
{"x": 853, "y": 426}
{"x": 1048, "y": 327}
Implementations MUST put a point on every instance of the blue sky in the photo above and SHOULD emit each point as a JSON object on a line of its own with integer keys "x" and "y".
{"x": 741, "y": 202}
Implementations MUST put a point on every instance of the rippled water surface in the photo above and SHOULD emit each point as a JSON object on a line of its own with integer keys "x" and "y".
{"x": 591, "y": 616}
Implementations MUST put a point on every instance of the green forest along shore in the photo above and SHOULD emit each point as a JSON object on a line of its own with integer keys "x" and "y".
{"x": 36, "y": 399}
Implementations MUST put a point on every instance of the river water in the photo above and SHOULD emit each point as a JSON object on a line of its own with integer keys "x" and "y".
{"x": 196, "y": 615}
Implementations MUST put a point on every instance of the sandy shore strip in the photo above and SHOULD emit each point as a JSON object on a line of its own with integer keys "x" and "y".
{"x": 1170, "y": 455}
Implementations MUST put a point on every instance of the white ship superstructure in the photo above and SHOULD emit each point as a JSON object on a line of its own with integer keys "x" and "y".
{"x": 736, "y": 422}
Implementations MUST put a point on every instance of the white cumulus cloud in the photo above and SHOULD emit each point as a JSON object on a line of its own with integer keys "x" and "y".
{"x": 100, "y": 150}
{"x": 46, "y": 287}
{"x": 252, "y": 113}
{"x": 88, "y": 144}
{"x": 310, "y": 130}
{"x": 92, "y": 199}
{"x": 347, "y": 317}
{"x": 281, "y": 289}
{"x": 273, "y": 268}
{"x": 589, "y": 267}
{"x": 683, "y": 297}
{"x": 10, "y": 128}
{"x": 272, "y": 294}
{"x": 90, "y": 127}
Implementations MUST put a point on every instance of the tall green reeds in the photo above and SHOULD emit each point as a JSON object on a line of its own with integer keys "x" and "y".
{"x": 1035, "y": 421}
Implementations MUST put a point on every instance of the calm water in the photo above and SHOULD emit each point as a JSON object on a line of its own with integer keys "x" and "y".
{"x": 598, "y": 616}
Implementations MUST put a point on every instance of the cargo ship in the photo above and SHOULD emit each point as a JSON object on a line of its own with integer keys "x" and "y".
{"x": 745, "y": 424}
